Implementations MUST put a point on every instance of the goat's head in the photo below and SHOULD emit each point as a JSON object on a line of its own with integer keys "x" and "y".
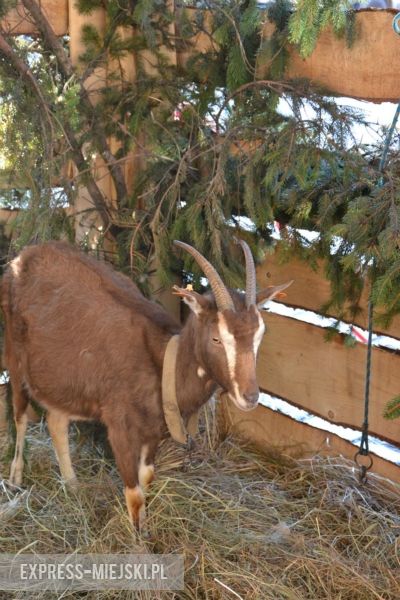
{"x": 229, "y": 329}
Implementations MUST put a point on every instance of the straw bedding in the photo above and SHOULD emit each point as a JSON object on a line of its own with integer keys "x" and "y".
{"x": 251, "y": 525}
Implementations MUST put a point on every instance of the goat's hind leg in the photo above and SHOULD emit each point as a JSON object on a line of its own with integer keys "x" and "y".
{"x": 58, "y": 422}
{"x": 20, "y": 404}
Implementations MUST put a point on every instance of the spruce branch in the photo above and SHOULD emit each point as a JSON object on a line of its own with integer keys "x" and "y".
{"x": 392, "y": 409}
{"x": 26, "y": 74}
{"x": 67, "y": 69}
{"x": 76, "y": 153}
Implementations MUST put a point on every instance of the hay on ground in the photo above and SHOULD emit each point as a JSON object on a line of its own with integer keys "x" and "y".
{"x": 251, "y": 525}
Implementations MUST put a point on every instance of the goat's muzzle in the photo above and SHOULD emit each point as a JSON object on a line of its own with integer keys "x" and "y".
{"x": 245, "y": 402}
{"x": 251, "y": 399}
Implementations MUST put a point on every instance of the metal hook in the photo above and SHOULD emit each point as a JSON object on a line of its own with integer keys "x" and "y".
{"x": 363, "y": 468}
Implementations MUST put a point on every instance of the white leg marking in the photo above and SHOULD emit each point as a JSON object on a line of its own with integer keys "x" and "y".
{"x": 135, "y": 504}
{"x": 17, "y": 465}
{"x": 146, "y": 472}
{"x": 57, "y": 423}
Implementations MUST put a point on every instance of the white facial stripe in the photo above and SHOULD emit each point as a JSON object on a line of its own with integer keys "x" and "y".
{"x": 237, "y": 398}
{"x": 258, "y": 335}
{"x": 229, "y": 345}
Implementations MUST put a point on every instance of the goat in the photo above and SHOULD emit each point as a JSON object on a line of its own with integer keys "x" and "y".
{"x": 84, "y": 343}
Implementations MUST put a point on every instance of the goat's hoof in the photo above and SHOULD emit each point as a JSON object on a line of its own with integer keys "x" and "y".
{"x": 71, "y": 483}
{"x": 15, "y": 477}
{"x": 15, "y": 481}
{"x": 146, "y": 534}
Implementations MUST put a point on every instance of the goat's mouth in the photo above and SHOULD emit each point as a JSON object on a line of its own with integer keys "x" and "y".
{"x": 241, "y": 403}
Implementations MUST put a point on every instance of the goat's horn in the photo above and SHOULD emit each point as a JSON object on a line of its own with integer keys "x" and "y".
{"x": 251, "y": 283}
{"x": 221, "y": 294}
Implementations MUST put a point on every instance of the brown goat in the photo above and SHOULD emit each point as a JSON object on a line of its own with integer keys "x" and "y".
{"x": 82, "y": 341}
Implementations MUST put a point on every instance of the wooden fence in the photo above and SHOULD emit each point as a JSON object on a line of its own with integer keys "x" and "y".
{"x": 367, "y": 69}
{"x": 326, "y": 379}
{"x": 295, "y": 362}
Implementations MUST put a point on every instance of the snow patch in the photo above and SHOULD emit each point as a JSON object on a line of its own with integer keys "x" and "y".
{"x": 308, "y": 316}
{"x": 377, "y": 446}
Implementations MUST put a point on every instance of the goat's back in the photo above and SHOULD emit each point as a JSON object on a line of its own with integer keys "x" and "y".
{"x": 78, "y": 330}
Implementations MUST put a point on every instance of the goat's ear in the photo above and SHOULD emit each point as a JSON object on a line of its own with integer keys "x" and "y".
{"x": 196, "y": 302}
{"x": 271, "y": 292}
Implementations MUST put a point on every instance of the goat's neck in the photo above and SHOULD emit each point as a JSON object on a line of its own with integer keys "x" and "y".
{"x": 193, "y": 386}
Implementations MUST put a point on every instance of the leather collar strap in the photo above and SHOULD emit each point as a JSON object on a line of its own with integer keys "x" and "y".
{"x": 176, "y": 427}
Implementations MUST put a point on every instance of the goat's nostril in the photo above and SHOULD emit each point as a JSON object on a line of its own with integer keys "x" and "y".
{"x": 251, "y": 398}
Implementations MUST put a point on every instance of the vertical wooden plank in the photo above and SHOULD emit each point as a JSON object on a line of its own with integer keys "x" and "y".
{"x": 87, "y": 221}
{"x": 201, "y": 43}
{"x": 7, "y": 218}
{"x": 149, "y": 59}
{"x": 160, "y": 292}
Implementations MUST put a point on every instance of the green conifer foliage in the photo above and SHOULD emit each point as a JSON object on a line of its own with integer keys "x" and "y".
{"x": 216, "y": 142}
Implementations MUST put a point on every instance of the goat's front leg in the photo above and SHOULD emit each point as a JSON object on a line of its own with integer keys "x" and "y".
{"x": 146, "y": 464}
{"x": 58, "y": 422}
{"x": 127, "y": 453}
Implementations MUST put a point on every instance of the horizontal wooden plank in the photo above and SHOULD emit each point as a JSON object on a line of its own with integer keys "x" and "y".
{"x": 10, "y": 179}
{"x": 311, "y": 290}
{"x": 265, "y": 427}
{"x": 368, "y": 69}
{"x": 18, "y": 21}
{"x": 327, "y": 378}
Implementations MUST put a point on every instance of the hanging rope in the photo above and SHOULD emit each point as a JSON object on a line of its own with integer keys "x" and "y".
{"x": 364, "y": 443}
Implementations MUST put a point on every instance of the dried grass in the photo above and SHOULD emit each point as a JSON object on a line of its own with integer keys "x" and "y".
{"x": 251, "y": 525}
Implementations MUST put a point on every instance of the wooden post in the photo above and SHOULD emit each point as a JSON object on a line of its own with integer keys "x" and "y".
{"x": 160, "y": 292}
{"x": 88, "y": 225}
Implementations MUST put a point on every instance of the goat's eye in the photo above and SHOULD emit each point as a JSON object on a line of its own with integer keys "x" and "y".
{"x": 216, "y": 340}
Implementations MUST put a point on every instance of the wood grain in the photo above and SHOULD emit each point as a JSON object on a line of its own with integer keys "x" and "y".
{"x": 311, "y": 289}
{"x": 18, "y": 21}
{"x": 327, "y": 378}
{"x": 367, "y": 70}
{"x": 267, "y": 428}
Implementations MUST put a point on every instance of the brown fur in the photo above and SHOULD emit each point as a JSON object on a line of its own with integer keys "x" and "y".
{"x": 81, "y": 338}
